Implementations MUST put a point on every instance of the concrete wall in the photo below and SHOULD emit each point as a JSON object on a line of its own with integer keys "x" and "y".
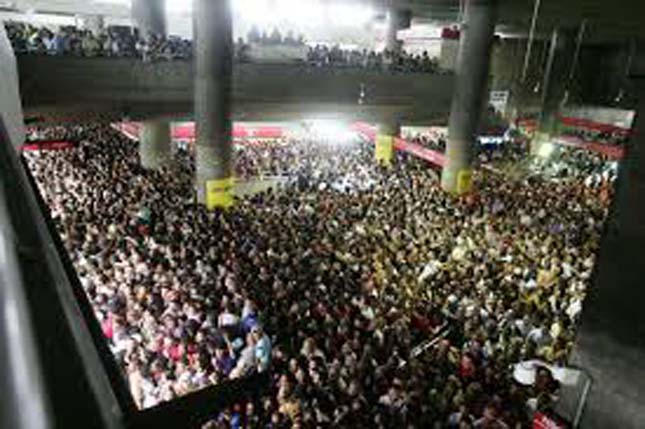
{"x": 261, "y": 91}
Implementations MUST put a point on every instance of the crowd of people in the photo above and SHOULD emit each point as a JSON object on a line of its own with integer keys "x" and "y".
{"x": 401, "y": 61}
{"x": 612, "y": 138}
{"x": 383, "y": 303}
{"x": 569, "y": 163}
{"x": 432, "y": 139}
{"x": 111, "y": 42}
{"x": 125, "y": 42}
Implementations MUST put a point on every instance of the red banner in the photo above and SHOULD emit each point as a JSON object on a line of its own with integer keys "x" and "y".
{"x": 433, "y": 157}
{"x": 593, "y": 126}
{"x": 187, "y": 131}
{"x": 541, "y": 421}
{"x": 450, "y": 33}
{"x": 48, "y": 145}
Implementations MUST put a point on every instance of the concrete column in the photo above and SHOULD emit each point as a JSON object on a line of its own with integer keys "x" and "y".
{"x": 470, "y": 93}
{"x": 610, "y": 344}
{"x": 149, "y": 16}
{"x": 384, "y": 144}
{"x": 449, "y": 49}
{"x": 391, "y": 41}
{"x": 213, "y": 85}
{"x": 397, "y": 19}
{"x": 154, "y": 144}
{"x": 554, "y": 85}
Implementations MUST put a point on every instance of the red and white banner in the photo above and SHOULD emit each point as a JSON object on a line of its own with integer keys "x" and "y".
{"x": 186, "y": 131}
{"x": 47, "y": 145}
{"x": 433, "y": 157}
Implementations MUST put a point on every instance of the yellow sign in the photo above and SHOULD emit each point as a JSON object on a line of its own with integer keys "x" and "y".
{"x": 384, "y": 149}
{"x": 219, "y": 193}
{"x": 464, "y": 181}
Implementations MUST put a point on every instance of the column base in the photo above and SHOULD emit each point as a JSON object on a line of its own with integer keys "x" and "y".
{"x": 384, "y": 149}
{"x": 457, "y": 181}
{"x": 216, "y": 193}
{"x": 155, "y": 147}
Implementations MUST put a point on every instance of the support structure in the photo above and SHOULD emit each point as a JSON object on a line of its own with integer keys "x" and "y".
{"x": 554, "y": 85}
{"x": 154, "y": 144}
{"x": 384, "y": 144}
{"x": 213, "y": 92}
{"x": 149, "y": 16}
{"x": 610, "y": 344}
{"x": 397, "y": 19}
{"x": 470, "y": 92}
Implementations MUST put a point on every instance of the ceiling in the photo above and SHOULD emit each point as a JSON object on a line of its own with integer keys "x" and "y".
{"x": 606, "y": 21}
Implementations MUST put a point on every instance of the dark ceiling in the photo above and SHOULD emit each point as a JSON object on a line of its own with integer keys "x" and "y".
{"x": 606, "y": 21}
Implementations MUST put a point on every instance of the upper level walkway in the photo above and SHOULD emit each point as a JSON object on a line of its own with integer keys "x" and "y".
{"x": 65, "y": 87}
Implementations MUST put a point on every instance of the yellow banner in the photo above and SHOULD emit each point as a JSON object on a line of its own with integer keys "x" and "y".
{"x": 464, "y": 181}
{"x": 384, "y": 149}
{"x": 219, "y": 193}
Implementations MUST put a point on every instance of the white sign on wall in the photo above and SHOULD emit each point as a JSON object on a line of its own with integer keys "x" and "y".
{"x": 499, "y": 100}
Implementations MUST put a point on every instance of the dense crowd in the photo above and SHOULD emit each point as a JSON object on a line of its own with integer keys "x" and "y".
{"x": 337, "y": 291}
{"x": 612, "y": 138}
{"x": 592, "y": 168}
{"x": 112, "y": 42}
{"x": 433, "y": 140}
{"x": 401, "y": 61}
{"x": 126, "y": 42}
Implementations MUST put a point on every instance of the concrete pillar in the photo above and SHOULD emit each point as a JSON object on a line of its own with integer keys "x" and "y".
{"x": 554, "y": 86}
{"x": 470, "y": 93}
{"x": 213, "y": 84}
{"x": 154, "y": 144}
{"x": 397, "y": 19}
{"x": 149, "y": 16}
{"x": 449, "y": 49}
{"x": 610, "y": 344}
{"x": 384, "y": 144}
{"x": 391, "y": 41}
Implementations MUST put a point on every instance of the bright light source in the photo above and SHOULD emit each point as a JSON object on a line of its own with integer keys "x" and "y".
{"x": 179, "y": 6}
{"x": 332, "y": 132}
{"x": 545, "y": 150}
{"x": 310, "y": 13}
